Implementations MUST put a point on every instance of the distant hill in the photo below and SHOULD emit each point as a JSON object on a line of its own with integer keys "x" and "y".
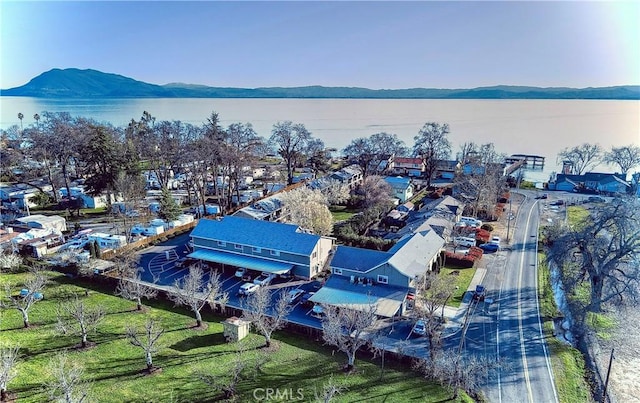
{"x": 76, "y": 83}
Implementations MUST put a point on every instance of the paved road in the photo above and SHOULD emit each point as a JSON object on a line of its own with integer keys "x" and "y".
{"x": 506, "y": 327}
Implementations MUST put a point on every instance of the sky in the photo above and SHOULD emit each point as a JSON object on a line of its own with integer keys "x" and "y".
{"x": 376, "y": 45}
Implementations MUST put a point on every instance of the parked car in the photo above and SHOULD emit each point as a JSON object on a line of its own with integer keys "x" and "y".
{"x": 419, "y": 328}
{"x": 596, "y": 199}
{"x": 294, "y": 295}
{"x": 248, "y": 288}
{"x": 185, "y": 262}
{"x": 479, "y": 293}
{"x": 495, "y": 240}
{"x": 241, "y": 272}
{"x": 464, "y": 241}
{"x": 305, "y": 298}
{"x": 490, "y": 247}
{"x": 317, "y": 311}
{"x": 264, "y": 279}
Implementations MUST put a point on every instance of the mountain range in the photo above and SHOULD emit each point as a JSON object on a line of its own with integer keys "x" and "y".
{"x": 77, "y": 83}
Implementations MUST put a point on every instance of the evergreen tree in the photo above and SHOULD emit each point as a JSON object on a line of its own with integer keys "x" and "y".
{"x": 169, "y": 209}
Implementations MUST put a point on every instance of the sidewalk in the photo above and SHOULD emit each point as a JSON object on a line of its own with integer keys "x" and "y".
{"x": 393, "y": 334}
{"x": 455, "y": 316}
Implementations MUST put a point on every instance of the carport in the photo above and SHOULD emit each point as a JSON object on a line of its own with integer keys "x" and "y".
{"x": 341, "y": 293}
{"x": 249, "y": 262}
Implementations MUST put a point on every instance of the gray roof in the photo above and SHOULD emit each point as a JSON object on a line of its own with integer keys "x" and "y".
{"x": 338, "y": 291}
{"x": 412, "y": 254}
{"x": 262, "y": 234}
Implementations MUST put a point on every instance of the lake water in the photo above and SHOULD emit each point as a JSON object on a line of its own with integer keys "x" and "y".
{"x": 540, "y": 127}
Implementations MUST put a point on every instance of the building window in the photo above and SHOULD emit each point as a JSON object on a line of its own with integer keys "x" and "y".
{"x": 238, "y": 246}
{"x": 314, "y": 254}
{"x": 383, "y": 279}
{"x": 222, "y": 243}
{"x": 337, "y": 271}
{"x": 256, "y": 250}
{"x": 275, "y": 253}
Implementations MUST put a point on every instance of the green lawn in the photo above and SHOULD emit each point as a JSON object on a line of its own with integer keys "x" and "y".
{"x": 566, "y": 362}
{"x": 341, "y": 213}
{"x": 113, "y": 365}
{"x": 462, "y": 280}
{"x": 576, "y": 214}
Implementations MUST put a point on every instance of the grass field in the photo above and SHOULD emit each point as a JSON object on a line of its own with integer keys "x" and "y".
{"x": 462, "y": 281}
{"x": 113, "y": 367}
{"x": 341, "y": 213}
{"x": 567, "y": 362}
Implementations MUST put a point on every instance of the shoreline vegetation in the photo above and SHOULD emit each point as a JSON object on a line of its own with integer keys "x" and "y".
{"x": 88, "y": 83}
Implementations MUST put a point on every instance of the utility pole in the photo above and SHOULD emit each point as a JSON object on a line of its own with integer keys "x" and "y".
{"x": 606, "y": 382}
{"x": 509, "y": 220}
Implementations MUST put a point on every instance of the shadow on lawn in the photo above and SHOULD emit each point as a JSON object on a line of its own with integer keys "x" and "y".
{"x": 200, "y": 341}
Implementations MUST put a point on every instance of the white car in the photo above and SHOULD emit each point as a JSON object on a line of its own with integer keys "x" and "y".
{"x": 248, "y": 288}
{"x": 241, "y": 272}
{"x": 294, "y": 295}
{"x": 464, "y": 241}
{"x": 264, "y": 279}
{"x": 495, "y": 240}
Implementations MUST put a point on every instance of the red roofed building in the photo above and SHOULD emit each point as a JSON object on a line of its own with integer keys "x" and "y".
{"x": 407, "y": 166}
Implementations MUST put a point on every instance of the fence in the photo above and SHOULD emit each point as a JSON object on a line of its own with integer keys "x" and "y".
{"x": 142, "y": 243}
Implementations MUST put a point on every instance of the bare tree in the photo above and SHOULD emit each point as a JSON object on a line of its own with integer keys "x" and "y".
{"x": 370, "y": 152}
{"x": 347, "y": 329}
{"x": 67, "y": 385}
{"x": 307, "y": 208}
{"x": 292, "y": 141}
{"x": 195, "y": 291}
{"x": 582, "y": 157}
{"x": 147, "y": 341}
{"x": 329, "y": 390}
{"x": 432, "y": 145}
{"x": 379, "y": 345}
{"x": 625, "y": 157}
{"x": 9, "y": 261}
{"x": 374, "y": 191}
{"x": 29, "y": 295}
{"x": 241, "y": 367}
{"x": 131, "y": 287}
{"x": 602, "y": 251}
{"x": 457, "y": 371}
{"x": 8, "y": 361}
{"x": 75, "y": 318}
{"x": 131, "y": 188}
{"x": 257, "y": 310}
{"x": 482, "y": 182}
{"x": 432, "y": 294}
{"x": 361, "y": 151}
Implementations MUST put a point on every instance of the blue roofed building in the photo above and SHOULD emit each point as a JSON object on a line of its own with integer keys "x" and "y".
{"x": 381, "y": 278}
{"x": 402, "y": 187}
{"x": 260, "y": 245}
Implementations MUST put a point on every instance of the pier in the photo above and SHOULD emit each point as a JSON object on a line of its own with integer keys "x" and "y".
{"x": 517, "y": 161}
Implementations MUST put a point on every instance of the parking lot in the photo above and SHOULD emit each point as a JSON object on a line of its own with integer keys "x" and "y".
{"x": 159, "y": 266}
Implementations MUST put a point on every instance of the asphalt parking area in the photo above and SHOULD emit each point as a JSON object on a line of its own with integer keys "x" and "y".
{"x": 158, "y": 266}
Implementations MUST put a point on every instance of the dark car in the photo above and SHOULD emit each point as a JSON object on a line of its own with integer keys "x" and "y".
{"x": 479, "y": 293}
{"x": 185, "y": 262}
{"x": 305, "y": 298}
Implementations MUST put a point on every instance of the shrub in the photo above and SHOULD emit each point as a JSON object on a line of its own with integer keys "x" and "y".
{"x": 487, "y": 227}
